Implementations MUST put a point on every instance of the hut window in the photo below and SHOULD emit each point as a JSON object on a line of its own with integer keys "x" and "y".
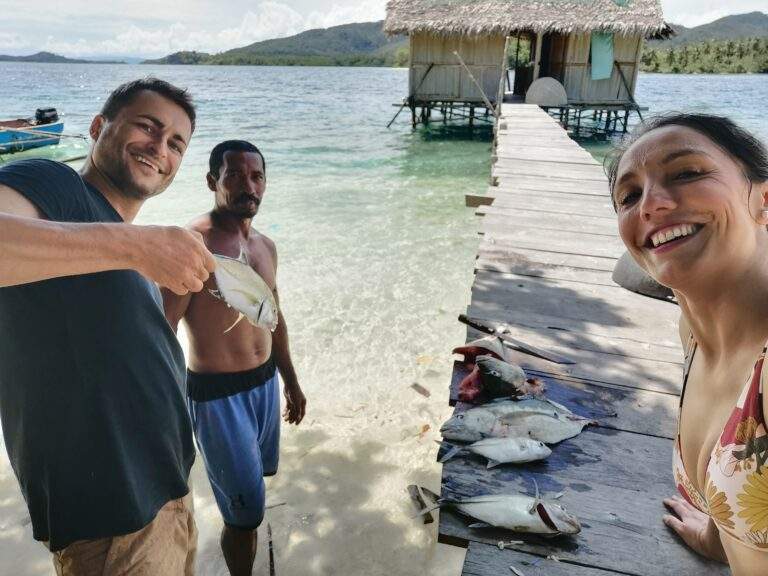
{"x": 601, "y": 55}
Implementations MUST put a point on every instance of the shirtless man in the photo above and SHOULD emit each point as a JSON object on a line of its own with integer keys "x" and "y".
{"x": 233, "y": 394}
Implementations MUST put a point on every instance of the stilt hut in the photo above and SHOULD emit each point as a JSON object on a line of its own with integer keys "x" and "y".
{"x": 458, "y": 53}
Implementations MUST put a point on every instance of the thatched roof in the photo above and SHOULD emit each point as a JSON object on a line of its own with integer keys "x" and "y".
{"x": 491, "y": 17}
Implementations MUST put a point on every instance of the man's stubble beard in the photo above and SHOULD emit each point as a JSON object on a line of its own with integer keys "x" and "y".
{"x": 111, "y": 166}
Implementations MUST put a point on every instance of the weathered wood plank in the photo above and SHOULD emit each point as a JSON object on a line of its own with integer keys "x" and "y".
{"x": 543, "y": 169}
{"x": 551, "y": 203}
{"x": 541, "y": 233}
{"x": 525, "y": 266}
{"x": 500, "y": 254}
{"x": 486, "y": 560}
{"x": 570, "y": 243}
{"x": 620, "y": 511}
{"x": 554, "y": 184}
{"x": 552, "y": 221}
{"x": 611, "y": 309}
{"x": 540, "y": 153}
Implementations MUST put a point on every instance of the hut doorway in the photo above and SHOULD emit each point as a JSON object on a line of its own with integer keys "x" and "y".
{"x": 531, "y": 56}
{"x": 520, "y": 62}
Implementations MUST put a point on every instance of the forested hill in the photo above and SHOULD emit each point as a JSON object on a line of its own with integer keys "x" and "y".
{"x": 50, "y": 58}
{"x": 735, "y": 27}
{"x": 363, "y": 44}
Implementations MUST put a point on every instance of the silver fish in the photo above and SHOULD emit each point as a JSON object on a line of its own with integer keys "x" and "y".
{"x": 540, "y": 420}
{"x": 517, "y": 512}
{"x": 244, "y": 290}
{"x": 504, "y": 450}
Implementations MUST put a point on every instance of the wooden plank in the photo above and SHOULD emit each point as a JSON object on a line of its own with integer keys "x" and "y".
{"x": 611, "y": 308}
{"x": 553, "y": 202}
{"x": 618, "y": 408}
{"x": 541, "y": 166}
{"x": 486, "y": 560}
{"x": 495, "y": 258}
{"x": 571, "y": 243}
{"x": 532, "y": 183}
{"x": 552, "y": 156}
{"x": 505, "y": 230}
{"x": 545, "y": 171}
{"x": 620, "y": 511}
{"x": 525, "y": 266}
{"x": 551, "y": 221}
{"x": 475, "y": 200}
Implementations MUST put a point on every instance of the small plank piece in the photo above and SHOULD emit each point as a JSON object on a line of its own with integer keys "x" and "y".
{"x": 487, "y": 560}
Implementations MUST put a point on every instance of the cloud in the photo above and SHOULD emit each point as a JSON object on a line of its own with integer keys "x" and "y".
{"x": 692, "y": 13}
{"x": 266, "y": 20}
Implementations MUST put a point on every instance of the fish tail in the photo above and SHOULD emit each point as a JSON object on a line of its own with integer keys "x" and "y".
{"x": 427, "y": 510}
{"x": 451, "y": 453}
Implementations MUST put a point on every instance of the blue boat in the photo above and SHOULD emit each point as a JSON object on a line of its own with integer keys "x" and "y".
{"x": 23, "y": 134}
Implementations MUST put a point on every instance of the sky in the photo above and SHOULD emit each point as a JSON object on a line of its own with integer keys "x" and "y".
{"x": 152, "y": 28}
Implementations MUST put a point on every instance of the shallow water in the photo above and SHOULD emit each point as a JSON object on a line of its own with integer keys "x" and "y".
{"x": 376, "y": 251}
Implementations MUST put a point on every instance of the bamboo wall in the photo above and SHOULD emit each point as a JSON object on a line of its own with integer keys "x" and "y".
{"x": 575, "y": 73}
{"x": 447, "y": 80}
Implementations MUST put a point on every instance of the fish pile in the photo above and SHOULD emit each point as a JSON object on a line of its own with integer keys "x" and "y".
{"x": 534, "y": 418}
{"x": 491, "y": 376}
{"x": 517, "y": 512}
{"x": 244, "y": 290}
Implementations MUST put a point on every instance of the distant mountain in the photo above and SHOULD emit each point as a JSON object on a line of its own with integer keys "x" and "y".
{"x": 735, "y": 27}
{"x": 50, "y": 58}
{"x": 183, "y": 57}
{"x": 361, "y": 44}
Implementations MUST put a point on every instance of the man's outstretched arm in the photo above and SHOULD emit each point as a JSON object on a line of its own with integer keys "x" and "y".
{"x": 33, "y": 249}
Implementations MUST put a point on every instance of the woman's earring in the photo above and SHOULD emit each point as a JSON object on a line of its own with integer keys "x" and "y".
{"x": 764, "y": 213}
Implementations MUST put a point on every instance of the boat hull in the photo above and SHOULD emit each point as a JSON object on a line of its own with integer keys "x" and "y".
{"x": 19, "y": 139}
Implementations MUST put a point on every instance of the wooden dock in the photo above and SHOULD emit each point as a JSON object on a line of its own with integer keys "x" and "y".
{"x": 547, "y": 250}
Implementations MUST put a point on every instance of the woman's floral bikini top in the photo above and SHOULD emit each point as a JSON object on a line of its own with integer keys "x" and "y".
{"x": 736, "y": 483}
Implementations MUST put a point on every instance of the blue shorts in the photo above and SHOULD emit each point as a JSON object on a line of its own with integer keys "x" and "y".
{"x": 236, "y": 419}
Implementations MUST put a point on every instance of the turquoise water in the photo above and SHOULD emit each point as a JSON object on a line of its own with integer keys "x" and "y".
{"x": 376, "y": 251}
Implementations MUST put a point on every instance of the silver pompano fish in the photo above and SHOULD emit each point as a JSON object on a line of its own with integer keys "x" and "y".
{"x": 540, "y": 420}
{"x": 244, "y": 290}
{"x": 504, "y": 450}
{"x": 517, "y": 512}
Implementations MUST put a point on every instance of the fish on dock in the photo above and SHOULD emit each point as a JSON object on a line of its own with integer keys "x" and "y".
{"x": 244, "y": 290}
{"x": 504, "y": 450}
{"x": 516, "y": 512}
{"x": 541, "y": 420}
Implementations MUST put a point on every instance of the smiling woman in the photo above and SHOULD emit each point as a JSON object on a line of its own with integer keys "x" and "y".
{"x": 691, "y": 195}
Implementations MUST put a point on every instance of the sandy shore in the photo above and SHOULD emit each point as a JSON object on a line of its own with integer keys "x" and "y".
{"x": 340, "y": 501}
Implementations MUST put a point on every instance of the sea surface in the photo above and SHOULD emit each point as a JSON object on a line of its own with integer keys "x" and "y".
{"x": 375, "y": 250}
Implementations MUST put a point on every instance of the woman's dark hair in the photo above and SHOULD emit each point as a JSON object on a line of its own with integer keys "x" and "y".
{"x": 731, "y": 138}
{"x": 124, "y": 94}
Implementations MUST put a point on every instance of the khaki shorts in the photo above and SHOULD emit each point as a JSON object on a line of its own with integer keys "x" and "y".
{"x": 165, "y": 547}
